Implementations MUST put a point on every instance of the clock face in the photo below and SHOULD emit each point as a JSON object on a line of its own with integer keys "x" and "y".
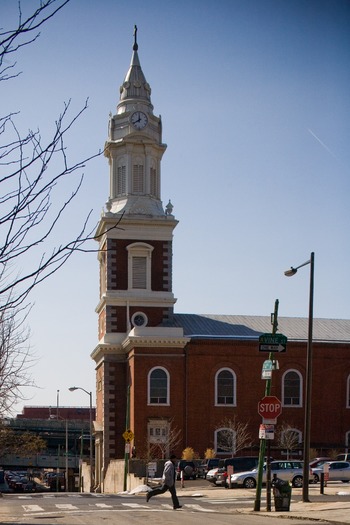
{"x": 139, "y": 120}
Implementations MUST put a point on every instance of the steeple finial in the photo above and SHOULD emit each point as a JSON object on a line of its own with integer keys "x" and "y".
{"x": 135, "y": 46}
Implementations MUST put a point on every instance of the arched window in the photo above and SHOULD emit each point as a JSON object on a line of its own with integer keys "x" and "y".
{"x": 225, "y": 441}
{"x": 292, "y": 388}
{"x": 347, "y": 440}
{"x": 158, "y": 387}
{"x": 290, "y": 439}
{"x": 225, "y": 387}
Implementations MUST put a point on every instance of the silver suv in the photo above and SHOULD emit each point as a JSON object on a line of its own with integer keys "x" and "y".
{"x": 286, "y": 470}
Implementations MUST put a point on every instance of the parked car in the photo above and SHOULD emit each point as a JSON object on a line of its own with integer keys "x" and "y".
{"x": 209, "y": 464}
{"x": 188, "y": 468}
{"x": 342, "y": 457}
{"x": 239, "y": 464}
{"x": 286, "y": 470}
{"x": 212, "y": 475}
{"x": 337, "y": 471}
{"x": 317, "y": 462}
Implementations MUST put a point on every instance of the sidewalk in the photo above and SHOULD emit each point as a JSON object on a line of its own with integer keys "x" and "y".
{"x": 332, "y": 506}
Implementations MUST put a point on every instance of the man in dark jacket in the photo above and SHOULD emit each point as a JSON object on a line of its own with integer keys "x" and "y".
{"x": 168, "y": 483}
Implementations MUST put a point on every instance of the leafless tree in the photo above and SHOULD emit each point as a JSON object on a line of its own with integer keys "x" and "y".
{"x": 34, "y": 171}
{"x": 233, "y": 436}
{"x": 163, "y": 446}
{"x": 15, "y": 358}
{"x": 288, "y": 438}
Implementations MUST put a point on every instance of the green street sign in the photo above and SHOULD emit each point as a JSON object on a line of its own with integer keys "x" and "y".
{"x": 272, "y": 343}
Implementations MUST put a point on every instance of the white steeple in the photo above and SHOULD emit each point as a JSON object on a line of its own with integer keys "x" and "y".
{"x": 135, "y": 149}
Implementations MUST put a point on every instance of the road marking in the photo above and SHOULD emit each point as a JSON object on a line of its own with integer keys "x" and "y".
{"x": 135, "y": 505}
{"x": 103, "y": 505}
{"x": 32, "y": 508}
{"x": 66, "y": 506}
{"x": 198, "y": 507}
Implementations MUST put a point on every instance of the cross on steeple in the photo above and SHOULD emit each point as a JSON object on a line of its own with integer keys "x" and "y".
{"x": 135, "y": 46}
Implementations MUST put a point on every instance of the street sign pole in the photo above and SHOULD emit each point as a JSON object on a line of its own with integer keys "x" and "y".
{"x": 257, "y": 503}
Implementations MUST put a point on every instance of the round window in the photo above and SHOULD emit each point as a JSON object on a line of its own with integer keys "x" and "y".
{"x": 139, "y": 319}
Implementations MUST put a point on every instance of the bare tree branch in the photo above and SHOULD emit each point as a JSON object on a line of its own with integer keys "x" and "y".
{"x": 162, "y": 446}
{"x": 288, "y": 438}
{"x": 233, "y": 436}
{"x": 12, "y": 40}
{"x": 34, "y": 171}
{"x": 15, "y": 357}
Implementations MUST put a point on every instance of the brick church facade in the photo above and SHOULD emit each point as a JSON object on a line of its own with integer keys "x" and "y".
{"x": 159, "y": 373}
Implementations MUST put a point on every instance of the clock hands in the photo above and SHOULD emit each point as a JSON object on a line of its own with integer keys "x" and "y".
{"x": 139, "y": 119}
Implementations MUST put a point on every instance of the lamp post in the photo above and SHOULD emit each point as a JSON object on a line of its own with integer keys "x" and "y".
{"x": 72, "y": 389}
{"x": 307, "y": 421}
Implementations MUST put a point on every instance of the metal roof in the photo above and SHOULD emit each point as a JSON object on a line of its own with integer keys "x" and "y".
{"x": 251, "y": 327}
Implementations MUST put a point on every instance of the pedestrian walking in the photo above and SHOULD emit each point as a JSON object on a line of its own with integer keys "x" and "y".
{"x": 168, "y": 483}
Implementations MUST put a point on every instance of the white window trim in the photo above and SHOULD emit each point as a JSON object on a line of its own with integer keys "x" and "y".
{"x": 216, "y": 441}
{"x": 300, "y": 388}
{"x": 161, "y": 424}
{"x": 140, "y": 249}
{"x": 347, "y": 441}
{"x": 167, "y": 403}
{"x": 145, "y": 319}
{"x": 299, "y": 432}
{"x": 234, "y": 388}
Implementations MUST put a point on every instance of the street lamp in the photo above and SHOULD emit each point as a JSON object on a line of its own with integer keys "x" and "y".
{"x": 72, "y": 389}
{"x": 307, "y": 421}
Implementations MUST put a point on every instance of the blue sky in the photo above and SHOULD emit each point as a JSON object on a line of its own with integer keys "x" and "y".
{"x": 254, "y": 99}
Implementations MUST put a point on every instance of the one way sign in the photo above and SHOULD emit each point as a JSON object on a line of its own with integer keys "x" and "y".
{"x": 272, "y": 343}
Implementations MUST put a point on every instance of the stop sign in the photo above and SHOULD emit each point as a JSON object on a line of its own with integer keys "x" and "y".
{"x": 269, "y": 407}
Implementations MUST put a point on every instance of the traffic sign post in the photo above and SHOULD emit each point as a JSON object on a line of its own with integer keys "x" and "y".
{"x": 269, "y": 408}
{"x": 268, "y": 343}
{"x": 272, "y": 343}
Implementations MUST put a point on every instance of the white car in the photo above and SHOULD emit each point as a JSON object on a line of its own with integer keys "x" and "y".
{"x": 286, "y": 470}
{"x": 337, "y": 471}
{"x": 212, "y": 475}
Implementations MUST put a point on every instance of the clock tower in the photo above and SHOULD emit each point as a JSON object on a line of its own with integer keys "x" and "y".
{"x": 135, "y": 255}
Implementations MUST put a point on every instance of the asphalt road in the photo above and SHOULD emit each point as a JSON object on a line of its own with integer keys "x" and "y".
{"x": 201, "y": 504}
{"x": 73, "y": 509}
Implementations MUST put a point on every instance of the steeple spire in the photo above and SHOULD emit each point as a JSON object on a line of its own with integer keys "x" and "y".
{"x": 135, "y": 89}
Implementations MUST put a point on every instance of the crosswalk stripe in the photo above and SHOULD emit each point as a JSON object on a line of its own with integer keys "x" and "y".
{"x": 66, "y": 506}
{"x": 103, "y": 505}
{"x": 32, "y": 508}
{"x": 134, "y": 505}
{"x": 198, "y": 507}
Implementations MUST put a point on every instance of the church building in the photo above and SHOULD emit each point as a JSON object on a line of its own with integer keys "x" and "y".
{"x": 166, "y": 380}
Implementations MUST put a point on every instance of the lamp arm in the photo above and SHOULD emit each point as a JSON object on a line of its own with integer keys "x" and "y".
{"x": 301, "y": 265}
